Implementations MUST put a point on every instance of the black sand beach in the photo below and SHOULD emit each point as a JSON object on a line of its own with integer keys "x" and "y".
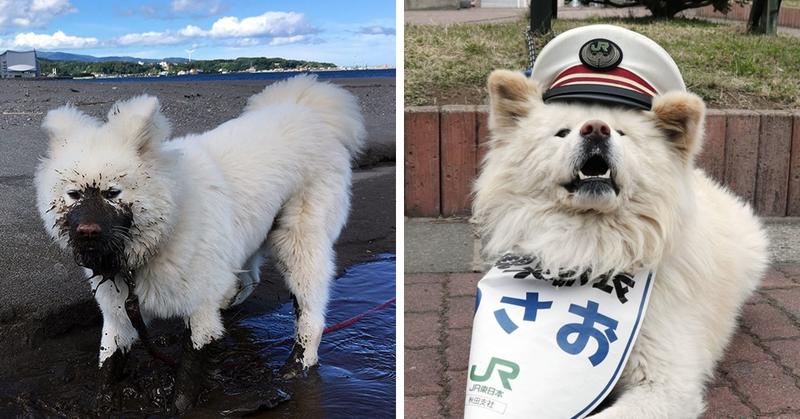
{"x": 46, "y": 308}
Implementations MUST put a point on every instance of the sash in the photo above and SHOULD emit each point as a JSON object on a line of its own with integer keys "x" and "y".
{"x": 550, "y": 345}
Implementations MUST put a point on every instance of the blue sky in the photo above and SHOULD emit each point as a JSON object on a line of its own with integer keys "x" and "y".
{"x": 357, "y": 32}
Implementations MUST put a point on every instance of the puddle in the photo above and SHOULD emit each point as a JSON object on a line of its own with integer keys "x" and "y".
{"x": 356, "y": 373}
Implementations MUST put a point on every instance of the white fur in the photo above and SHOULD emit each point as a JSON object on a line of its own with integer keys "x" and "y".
{"x": 203, "y": 205}
{"x": 708, "y": 249}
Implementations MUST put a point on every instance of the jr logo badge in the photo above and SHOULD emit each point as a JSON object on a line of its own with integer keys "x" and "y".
{"x": 506, "y": 370}
{"x": 600, "y": 54}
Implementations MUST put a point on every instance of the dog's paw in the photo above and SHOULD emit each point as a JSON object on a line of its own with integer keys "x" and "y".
{"x": 190, "y": 378}
{"x": 106, "y": 399}
{"x": 294, "y": 366}
{"x": 110, "y": 373}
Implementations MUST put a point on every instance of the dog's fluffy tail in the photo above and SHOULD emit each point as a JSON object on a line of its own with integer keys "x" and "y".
{"x": 336, "y": 107}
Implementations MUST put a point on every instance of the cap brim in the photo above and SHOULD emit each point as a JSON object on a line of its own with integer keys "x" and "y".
{"x": 597, "y": 93}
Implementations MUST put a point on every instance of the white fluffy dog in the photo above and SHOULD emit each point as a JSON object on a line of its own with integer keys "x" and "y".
{"x": 639, "y": 203}
{"x": 192, "y": 219}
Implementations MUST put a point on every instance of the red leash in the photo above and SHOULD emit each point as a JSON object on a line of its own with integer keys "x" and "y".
{"x": 353, "y": 320}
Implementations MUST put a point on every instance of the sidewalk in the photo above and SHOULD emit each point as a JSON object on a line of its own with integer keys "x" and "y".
{"x": 759, "y": 377}
{"x": 480, "y": 15}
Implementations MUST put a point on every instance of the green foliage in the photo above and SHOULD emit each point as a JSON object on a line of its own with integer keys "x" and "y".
{"x": 730, "y": 69}
{"x": 79, "y": 68}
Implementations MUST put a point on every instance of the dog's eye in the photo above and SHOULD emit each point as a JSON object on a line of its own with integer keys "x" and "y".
{"x": 76, "y": 195}
{"x": 111, "y": 193}
{"x": 621, "y": 133}
{"x": 563, "y": 133}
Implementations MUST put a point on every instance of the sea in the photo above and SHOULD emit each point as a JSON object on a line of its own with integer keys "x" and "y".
{"x": 329, "y": 74}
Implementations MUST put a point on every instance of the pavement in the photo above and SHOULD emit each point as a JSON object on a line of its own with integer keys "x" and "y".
{"x": 480, "y": 15}
{"x": 759, "y": 377}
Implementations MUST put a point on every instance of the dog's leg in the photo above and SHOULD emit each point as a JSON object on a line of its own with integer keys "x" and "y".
{"x": 205, "y": 326}
{"x": 308, "y": 274}
{"x": 664, "y": 377}
{"x": 117, "y": 337}
{"x": 302, "y": 243}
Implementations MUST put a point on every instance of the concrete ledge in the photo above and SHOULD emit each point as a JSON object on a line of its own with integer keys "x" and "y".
{"x": 435, "y": 245}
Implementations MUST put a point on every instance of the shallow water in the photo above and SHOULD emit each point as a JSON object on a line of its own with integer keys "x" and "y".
{"x": 356, "y": 376}
{"x": 357, "y": 363}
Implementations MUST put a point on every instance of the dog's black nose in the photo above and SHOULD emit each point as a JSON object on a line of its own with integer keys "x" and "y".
{"x": 596, "y": 130}
{"x": 89, "y": 229}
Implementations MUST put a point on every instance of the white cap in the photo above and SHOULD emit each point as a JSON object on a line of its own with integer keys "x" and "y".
{"x": 607, "y": 64}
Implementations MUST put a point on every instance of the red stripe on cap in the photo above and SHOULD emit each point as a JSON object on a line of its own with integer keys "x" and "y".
{"x": 585, "y": 71}
{"x": 582, "y": 79}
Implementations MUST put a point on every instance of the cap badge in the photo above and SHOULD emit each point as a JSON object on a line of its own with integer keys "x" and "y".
{"x": 600, "y": 54}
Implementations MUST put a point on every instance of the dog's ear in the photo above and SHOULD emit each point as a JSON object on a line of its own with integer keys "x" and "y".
{"x": 139, "y": 122}
{"x": 512, "y": 96}
{"x": 681, "y": 116}
{"x": 61, "y": 123}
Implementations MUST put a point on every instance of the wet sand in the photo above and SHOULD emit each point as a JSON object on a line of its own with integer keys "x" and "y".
{"x": 46, "y": 309}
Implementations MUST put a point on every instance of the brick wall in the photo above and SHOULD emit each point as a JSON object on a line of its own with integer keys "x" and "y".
{"x": 755, "y": 153}
{"x": 787, "y": 16}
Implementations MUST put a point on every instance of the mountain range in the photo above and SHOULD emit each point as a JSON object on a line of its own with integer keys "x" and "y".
{"x": 65, "y": 56}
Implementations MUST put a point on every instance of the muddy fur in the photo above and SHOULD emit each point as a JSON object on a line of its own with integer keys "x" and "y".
{"x": 193, "y": 216}
{"x": 707, "y": 248}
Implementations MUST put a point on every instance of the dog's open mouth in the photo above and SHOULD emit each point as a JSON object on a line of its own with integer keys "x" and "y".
{"x": 594, "y": 176}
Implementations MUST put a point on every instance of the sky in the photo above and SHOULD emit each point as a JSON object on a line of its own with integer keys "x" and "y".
{"x": 356, "y": 32}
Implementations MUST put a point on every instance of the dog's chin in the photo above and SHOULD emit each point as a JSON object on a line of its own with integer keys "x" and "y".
{"x": 594, "y": 196}
{"x": 102, "y": 258}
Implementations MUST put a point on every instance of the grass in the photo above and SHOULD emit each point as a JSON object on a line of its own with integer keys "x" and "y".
{"x": 728, "y": 68}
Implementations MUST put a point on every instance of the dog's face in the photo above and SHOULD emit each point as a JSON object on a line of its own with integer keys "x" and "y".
{"x": 101, "y": 190}
{"x": 571, "y": 165}
{"x": 590, "y": 158}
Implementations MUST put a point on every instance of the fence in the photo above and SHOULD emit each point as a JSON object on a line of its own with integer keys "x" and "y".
{"x": 787, "y": 16}
{"x": 754, "y": 153}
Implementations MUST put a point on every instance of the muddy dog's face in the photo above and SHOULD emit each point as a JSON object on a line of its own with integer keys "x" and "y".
{"x": 98, "y": 227}
{"x": 102, "y": 189}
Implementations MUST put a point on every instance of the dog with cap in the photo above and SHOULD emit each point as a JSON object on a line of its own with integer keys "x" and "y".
{"x": 619, "y": 268}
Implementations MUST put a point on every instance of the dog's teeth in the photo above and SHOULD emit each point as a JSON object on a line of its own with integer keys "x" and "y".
{"x": 607, "y": 174}
{"x": 581, "y": 176}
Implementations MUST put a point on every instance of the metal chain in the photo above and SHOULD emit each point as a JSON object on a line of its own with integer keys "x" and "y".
{"x": 531, "y": 50}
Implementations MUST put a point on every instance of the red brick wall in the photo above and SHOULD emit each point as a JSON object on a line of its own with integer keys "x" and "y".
{"x": 787, "y": 16}
{"x": 754, "y": 153}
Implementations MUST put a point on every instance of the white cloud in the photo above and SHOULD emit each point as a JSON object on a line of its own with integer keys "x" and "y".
{"x": 197, "y": 7}
{"x": 273, "y": 24}
{"x": 58, "y": 40}
{"x": 150, "y": 38}
{"x": 271, "y": 28}
{"x": 288, "y": 39}
{"x": 31, "y": 14}
{"x": 192, "y": 31}
{"x": 376, "y": 30}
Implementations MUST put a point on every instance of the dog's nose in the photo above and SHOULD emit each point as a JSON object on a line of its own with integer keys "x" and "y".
{"x": 597, "y": 129}
{"x": 89, "y": 229}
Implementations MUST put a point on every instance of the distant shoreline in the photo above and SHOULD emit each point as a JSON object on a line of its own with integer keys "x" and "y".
{"x": 274, "y": 75}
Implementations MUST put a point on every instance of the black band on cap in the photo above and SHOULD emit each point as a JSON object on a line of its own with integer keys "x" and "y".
{"x": 595, "y": 93}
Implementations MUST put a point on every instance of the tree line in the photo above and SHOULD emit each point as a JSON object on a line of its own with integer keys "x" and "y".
{"x": 82, "y": 68}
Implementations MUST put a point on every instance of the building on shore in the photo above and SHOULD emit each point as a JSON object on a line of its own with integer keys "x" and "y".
{"x": 15, "y": 64}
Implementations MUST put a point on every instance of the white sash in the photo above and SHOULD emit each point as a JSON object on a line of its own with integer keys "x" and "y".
{"x": 550, "y": 346}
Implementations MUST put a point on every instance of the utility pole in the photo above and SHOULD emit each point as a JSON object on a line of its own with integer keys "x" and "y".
{"x": 542, "y": 12}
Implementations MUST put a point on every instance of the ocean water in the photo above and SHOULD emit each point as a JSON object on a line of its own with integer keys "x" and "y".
{"x": 335, "y": 74}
